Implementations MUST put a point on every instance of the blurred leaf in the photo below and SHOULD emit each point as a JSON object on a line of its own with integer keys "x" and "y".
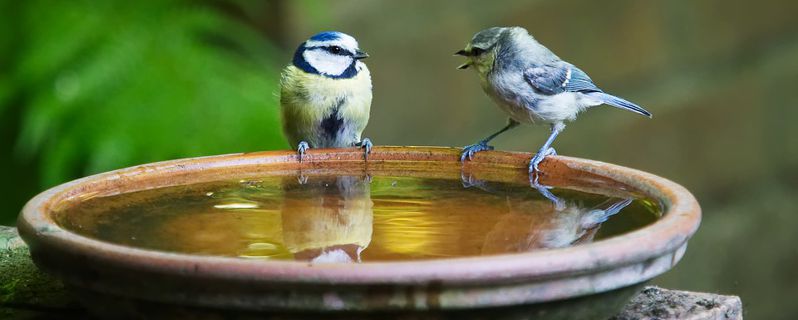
{"x": 317, "y": 13}
{"x": 110, "y": 84}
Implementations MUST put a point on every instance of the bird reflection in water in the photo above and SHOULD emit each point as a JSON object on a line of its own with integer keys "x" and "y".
{"x": 327, "y": 219}
{"x": 553, "y": 222}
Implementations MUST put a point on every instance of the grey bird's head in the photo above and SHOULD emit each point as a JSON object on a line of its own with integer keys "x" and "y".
{"x": 483, "y": 48}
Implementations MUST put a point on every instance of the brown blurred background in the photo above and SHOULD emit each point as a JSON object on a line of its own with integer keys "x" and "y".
{"x": 91, "y": 86}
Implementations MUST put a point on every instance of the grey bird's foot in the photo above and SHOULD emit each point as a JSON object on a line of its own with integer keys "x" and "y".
{"x": 301, "y": 148}
{"x": 366, "y": 145}
{"x": 538, "y": 158}
{"x": 469, "y": 151}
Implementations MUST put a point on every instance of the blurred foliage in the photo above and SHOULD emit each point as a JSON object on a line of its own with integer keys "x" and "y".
{"x": 100, "y": 85}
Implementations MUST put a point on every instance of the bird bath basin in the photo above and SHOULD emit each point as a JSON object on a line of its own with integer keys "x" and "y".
{"x": 411, "y": 232}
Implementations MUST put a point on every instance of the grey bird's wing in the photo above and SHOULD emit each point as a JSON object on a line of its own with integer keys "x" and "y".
{"x": 559, "y": 77}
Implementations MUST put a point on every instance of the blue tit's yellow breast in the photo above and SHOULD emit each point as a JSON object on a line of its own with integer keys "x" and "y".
{"x": 307, "y": 99}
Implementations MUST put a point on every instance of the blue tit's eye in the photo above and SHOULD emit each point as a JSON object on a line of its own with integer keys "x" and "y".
{"x": 477, "y": 51}
{"x": 336, "y": 49}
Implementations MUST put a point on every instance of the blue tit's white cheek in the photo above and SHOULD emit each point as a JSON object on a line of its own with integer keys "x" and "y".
{"x": 327, "y": 63}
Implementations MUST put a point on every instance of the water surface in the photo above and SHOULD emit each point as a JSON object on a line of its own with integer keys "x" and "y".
{"x": 354, "y": 218}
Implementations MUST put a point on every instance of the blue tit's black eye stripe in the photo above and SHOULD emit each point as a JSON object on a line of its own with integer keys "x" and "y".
{"x": 475, "y": 51}
{"x": 336, "y": 50}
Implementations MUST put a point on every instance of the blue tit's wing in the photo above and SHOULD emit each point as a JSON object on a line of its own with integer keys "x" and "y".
{"x": 559, "y": 77}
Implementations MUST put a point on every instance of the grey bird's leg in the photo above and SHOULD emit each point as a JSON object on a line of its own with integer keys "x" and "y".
{"x": 470, "y": 150}
{"x": 546, "y": 149}
{"x": 301, "y": 148}
{"x": 366, "y": 145}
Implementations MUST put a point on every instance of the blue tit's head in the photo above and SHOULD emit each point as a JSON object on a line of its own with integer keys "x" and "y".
{"x": 331, "y": 54}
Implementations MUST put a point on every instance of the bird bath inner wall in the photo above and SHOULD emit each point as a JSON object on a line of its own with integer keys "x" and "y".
{"x": 334, "y": 261}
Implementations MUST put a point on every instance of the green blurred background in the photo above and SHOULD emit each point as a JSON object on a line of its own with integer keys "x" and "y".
{"x": 90, "y": 86}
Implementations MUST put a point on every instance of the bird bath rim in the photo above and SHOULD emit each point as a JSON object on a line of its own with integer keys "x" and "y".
{"x": 530, "y": 277}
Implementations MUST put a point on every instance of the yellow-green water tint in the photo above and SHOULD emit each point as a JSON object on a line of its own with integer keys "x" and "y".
{"x": 351, "y": 218}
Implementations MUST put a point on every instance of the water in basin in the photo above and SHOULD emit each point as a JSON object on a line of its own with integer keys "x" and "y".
{"x": 350, "y": 219}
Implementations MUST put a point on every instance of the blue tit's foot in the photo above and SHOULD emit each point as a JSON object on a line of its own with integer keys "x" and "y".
{"x": 301, "y": 148}
{"x": 366, "y": 145}
{"x": 469, "y": 151}
{"x": 538, "y": 158}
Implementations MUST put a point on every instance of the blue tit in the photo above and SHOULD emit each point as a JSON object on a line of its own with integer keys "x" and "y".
{"x": 532, "y": 85}
{"x": 325, "y": 94}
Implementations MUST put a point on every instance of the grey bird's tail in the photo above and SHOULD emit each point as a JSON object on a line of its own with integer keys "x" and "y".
{"x": 614, "y": 101}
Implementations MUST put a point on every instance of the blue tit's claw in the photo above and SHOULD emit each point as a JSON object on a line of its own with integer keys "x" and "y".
{"x": 470, "y": 150}
{"x": 301, "y": 148}
{"x": 366, "y": 145}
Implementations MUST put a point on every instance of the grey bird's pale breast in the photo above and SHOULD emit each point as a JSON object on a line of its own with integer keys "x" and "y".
{"x": 512, "y": 95}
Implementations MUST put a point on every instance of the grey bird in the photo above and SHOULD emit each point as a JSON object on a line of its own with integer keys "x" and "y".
{"x": 531, "y": 84}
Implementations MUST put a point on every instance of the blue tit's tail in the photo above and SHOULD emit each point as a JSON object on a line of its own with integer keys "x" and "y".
{"x": 614, "y": 101}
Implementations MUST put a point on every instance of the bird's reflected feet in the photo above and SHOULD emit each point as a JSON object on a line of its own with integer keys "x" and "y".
{"x": 469, "y": 181}
{"x": 537, "y": 159}
{"x": 301, "y": 148}
{"x": 470, "y": 150}
{"x": 559, "y": 204}
{"x": 366, "y": 145}
{"x": 302, "y": 179}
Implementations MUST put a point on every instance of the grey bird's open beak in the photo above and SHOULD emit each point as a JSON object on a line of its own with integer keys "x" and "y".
{"x": 463, "y": 53}
{"x": 360, "y": 55}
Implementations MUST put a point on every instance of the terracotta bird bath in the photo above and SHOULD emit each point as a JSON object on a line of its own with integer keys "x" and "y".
{"x": 589, "y": 280}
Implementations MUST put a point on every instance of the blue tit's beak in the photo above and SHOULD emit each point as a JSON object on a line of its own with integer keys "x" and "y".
{"x": 360, "y": 55}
